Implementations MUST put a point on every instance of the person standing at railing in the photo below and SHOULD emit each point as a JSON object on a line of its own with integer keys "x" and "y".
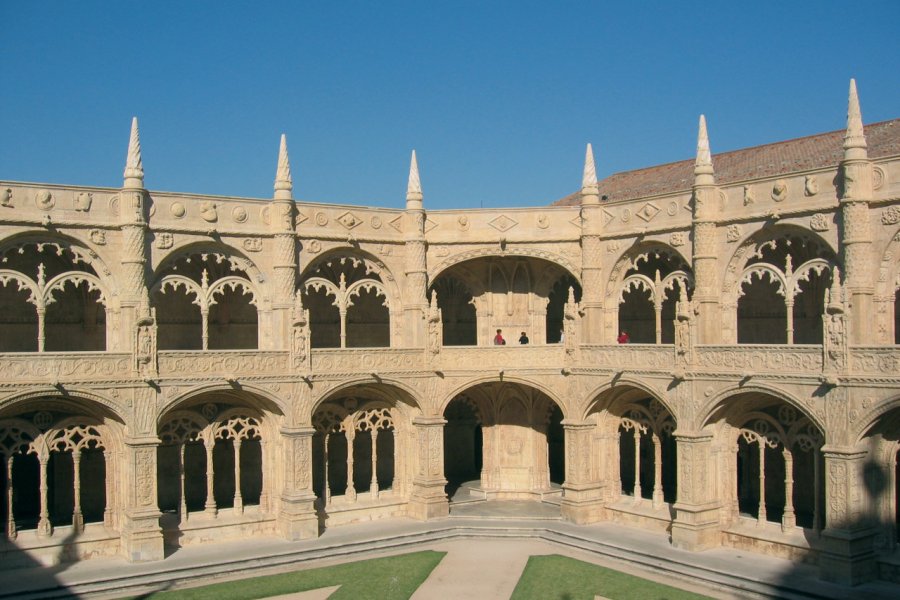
{"x": 498, "y": 339}
{"x": 523, "y": 339}
{"x": 623, "y": 337}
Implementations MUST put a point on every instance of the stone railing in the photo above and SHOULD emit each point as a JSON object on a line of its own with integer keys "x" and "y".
{"x": 366, "y": 360}
{"x": 629, "y": 356}
{"x": 226, "y": 363}
{"x": 881, "y": 360}
{"x": 59, "y": 367}
{"x": 759, "y": 359}
{"x": 502, "y": 357}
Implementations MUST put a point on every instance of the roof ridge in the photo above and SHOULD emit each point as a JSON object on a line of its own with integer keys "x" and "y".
{"x": 749, "y": 148}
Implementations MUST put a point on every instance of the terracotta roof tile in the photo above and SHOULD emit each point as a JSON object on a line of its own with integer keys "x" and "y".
{"x": 780, "y": 158}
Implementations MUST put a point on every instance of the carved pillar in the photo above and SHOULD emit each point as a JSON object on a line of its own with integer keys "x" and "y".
{"x": 10, "y": 514}
{"x": 591, "y": 254}
{"x": 428, "y": 499}
{"x": 284, "y": 256}
{"x": 789, "y": 518}
{"x": 77, "y": 516}
{"x": 856, "y": 229}
{"x": 848, "y": 556}
{"x": 210, "y": 506}
{"x": 238, "y": 497}
{"x": 705, "y": 255}
{"x": 696, "y": 525}
{"x": 415, "y": 304}
{"x": 133, "y": 197}
{"x": 296, "y": 516}
{"x": 44, "y": 528}
{"x": 582, "y": 491}
{"x": 142, "y": 537}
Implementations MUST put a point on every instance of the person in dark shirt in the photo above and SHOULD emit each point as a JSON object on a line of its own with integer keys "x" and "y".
{"x": 523, "y": 339}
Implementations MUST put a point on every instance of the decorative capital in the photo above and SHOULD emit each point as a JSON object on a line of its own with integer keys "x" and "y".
{"x": 283, "y": 182}
{"x": 134, "y": 167}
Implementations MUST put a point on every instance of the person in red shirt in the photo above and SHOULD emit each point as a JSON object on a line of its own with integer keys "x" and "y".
{"x": 623, "y": 338}
{"x": 498, "y": 339}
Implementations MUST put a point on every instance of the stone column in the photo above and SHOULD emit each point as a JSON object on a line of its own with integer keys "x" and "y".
{"x": 582, "y": 492}
{"x": 284, "y": 256}
{"x": 297, "y": 518}
{"x": 848, "y": 556}
{"x": 705, "y": 255}
{"x": 696, "y": 525}
{"x": 591, "y": 254}
{"x": 416, "y": 301}
{"x": 428, "y": 499}
{"x": 142, "y": 538}
{"x": 856, "y": 228}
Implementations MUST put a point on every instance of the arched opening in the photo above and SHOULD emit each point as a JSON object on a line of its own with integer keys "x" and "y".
{"x": 463, "y": 441}
{"x": 504, "y": 441}
{"x": 205, "y": 300}
{"x": 457, "y": 312}
{"x": 781, "y": 290}
{"x": 515, "y": 294}
{"x": 650, "y": 287}
{"x": 362, "y": 452}
{"x": 774, "y": 470}
{"x": 637, "y": 439}
{"x": 881, "y": 477}
{"x": 348, "y": 303}
{"x": 55, "y": 462}
{"x": 51, "y": 300}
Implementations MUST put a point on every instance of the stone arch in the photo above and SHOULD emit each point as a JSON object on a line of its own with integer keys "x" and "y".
{"x": 492, "y": 252}
{"x": 72, "y": 397}
{"x": 869, "y": 419}
{"x": 78, "y": 247}
{"x": 593, "y": 397}
{"x": 409, "y": 396}
{"x": 193, "y": 246}
{"x": 716, "y": 401}
{"x": 260, "y": 398}
{"x": 471, "y": 383}
{"x": 373, "y": 264}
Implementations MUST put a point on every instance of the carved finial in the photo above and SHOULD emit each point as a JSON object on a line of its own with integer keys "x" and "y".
{"x": 855, "y": 138}
{"x": 835, "y": 296}
{"x": 589, "y": 190}
{"x": 414, "y": 187}
{"x": 704, "y": 157}
{"x": 571, "y": 295}
{"x": 134, "y": 167}
{"x": 283, "y": 182}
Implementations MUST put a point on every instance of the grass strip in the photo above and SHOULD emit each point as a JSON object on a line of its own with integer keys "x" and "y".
{"x": 555, "y": 577}
{"x": 391, "y": 577}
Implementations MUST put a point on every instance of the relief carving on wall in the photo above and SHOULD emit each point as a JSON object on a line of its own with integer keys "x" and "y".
{"x": 83, "y": 201}
{"x": 779, "y": 191}
{"x": 6, "y": 196}
{"x": 810, "y": 185}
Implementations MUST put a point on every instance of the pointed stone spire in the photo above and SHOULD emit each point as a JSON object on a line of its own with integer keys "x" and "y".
{"x": 704, "y": 157}
{"x": 589, "y": 190}
{"x": 134, "y": 167}
{"x": 414, "y": 187}
{"x": 855, "y": 138}
{"x": 283, "y": 182}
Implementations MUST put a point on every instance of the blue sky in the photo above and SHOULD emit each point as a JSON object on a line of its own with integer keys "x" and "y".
{"x": 498, "y": 98}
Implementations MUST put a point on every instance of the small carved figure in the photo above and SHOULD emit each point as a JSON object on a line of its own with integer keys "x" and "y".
{"x": 6, "y": 198}
{"x": 779, "y": 190}
{"x": 83, "y": 201}
{"x": 811, "y": 185}
{"x": 748, "y": 195}
{"x": 208, "y": 211}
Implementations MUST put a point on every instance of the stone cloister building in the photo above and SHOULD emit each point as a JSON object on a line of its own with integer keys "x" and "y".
{"x": 180, "y": 368}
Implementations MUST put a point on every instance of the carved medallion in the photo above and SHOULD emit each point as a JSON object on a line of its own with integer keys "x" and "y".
{"x": 83, "y": 201}
{"x": 6, "y": 198}
{"x": 252, "y": 244}
{"x": 44, "y": 199}
{"x": 239, "y": 214}
{"x": 164, "y": 240}
{"x": 779, "y": 191}
{"x": 819, "y": 222}
{"x": 321, "y": 219}
{"x": 177, "y": 209}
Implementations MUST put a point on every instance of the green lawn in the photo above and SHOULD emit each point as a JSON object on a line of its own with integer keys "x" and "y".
{"x": 557, "y": 577}
{"x": 378, "y": 578}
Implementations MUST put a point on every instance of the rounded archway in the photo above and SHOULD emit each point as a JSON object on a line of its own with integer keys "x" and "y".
{"x": 517, "y": 294}
{"x": 504, "y": 440}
